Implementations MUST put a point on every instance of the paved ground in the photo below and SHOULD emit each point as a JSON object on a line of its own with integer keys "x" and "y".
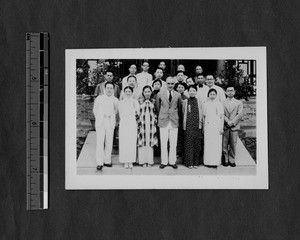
{"x": 86, "y": 164}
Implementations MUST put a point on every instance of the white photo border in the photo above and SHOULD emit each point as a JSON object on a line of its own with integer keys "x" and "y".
{"x": 105, "y": 182}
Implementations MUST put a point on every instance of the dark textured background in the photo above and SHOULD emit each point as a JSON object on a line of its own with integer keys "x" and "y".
{"x": 205, "y": 214}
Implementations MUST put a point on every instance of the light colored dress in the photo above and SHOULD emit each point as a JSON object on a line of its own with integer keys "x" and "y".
{"x": 128, "y": 130}
{"x": 146, "y": 152}
{"x": 212, "y": 137}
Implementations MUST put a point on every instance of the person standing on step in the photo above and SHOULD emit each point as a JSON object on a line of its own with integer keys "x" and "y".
{"x": 144, "y": 78}
{"x": 192, "y": 109}
{"x": 210, "y": 83}
{"x": 233, "y": 113}
{"x": 129, "y": 109}
{"x": 132, "y": 82}
{"x": 180, "y": 87}
{"x": 202, "y": 88}
{"x": 168, "y": 107}
{"x": 105, "y": 110}
{"x": 156, "y": 85}
{"x": 147, "y": 137}
{"x": 213, "y": 129}
{"x": 132, "y": 72}
{"x": 100, "y": 89}
{"x": 162, "y": 65}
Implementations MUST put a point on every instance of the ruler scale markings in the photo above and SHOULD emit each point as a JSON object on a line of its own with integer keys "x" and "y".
{"x": 36, "y": 131}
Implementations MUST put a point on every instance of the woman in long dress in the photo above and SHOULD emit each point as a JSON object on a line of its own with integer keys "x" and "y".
{"x": 128, "y": 108}
{"x": 147, "y": 137}
{"x": 213, "y": 130}
{"x": 192, "y": 125}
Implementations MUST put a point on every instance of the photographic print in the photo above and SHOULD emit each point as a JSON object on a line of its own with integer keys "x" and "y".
{"x": 166, "y": 118}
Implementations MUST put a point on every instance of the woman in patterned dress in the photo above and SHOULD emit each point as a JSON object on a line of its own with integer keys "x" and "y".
{"x": 147, "y": 137}
{"x": 192, "y": 125}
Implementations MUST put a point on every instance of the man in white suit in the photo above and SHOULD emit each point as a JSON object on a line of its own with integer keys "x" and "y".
{"x": 233, "y": 113}
{"x": 105, "y": 110}
{"x": 168, "y": 107}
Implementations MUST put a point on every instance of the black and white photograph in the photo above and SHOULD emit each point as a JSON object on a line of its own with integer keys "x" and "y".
{"x": 188, "y": 118}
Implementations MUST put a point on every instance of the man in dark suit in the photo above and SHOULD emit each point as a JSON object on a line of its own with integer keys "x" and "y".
{"x": 100, "y": 89}
{"x": 233, "y": 113}
{"x": 162, "y": 65}
{"x": 168, "y": 106}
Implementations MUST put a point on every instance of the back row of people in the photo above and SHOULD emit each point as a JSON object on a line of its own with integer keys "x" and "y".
{"x": 138, "y": 81}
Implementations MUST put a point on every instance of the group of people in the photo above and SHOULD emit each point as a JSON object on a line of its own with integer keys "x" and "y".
{"x": 172, "y": 116}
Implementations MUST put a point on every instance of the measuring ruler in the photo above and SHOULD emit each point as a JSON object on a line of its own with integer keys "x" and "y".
{"x": 37, "y": 80}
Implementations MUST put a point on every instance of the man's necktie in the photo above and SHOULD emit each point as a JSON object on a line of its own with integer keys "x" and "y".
{"x": 170, "y": 96}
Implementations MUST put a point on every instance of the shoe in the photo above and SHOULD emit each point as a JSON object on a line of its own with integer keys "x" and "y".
{"x": 150, "y": 165}
{"x": 130, "y": 165}
{"x": 231, "y": 164}
{"x": 99, "y": 167}
{"x": 195, "y": 167}
{"x": 145, "y": 165}
{"x": 126, "y": 166}
{"x": 174, "y": 166}
{"x": 190, "y": 167}
{"x": 162, "y": 166}
{"x": 211, "y": 166}
{"x": 225, "y": 164}
{"x": 107, "y": 164}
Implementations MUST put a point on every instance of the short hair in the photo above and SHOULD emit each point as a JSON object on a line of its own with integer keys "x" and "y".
{"x": 192, "y": 86}
{"x": 229, "y": 86}
{"x": 157, "y": 80}
{"x": 210, "y": 75}
{"x": 109, "y": 70}
{"x": 159, "y": 68}
{"x": 131, "y": 77}
{"x": 145, "y": 62}
{"x": 111, "y": 83}
{"x": 132, "y": 65}
{"x": 145, "y": 87}
{"x": 131, "y": 89}
{"x": 182, "y": 84}
{"x": 211, "y": 90}
{"x": 179, "y": 72}
{"x": 191, "y": 79}
{"x": 170, "y": 77}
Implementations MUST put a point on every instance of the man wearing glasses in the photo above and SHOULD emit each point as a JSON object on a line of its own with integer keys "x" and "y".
{"x": 144, "y": 78}
{"x": 168, "y": 107}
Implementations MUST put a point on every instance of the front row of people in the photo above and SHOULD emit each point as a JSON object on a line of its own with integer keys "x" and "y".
{"x": 155, "y": 121}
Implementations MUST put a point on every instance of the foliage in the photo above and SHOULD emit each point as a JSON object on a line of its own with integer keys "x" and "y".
{"x": 87, "y": 79}
{"x": 232, "y": 75}
{"x": 82, "y": 77}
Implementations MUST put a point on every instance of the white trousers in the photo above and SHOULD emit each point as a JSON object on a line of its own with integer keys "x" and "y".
{"x": 104, "y": 142}
{"x": 168, "y": 133}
